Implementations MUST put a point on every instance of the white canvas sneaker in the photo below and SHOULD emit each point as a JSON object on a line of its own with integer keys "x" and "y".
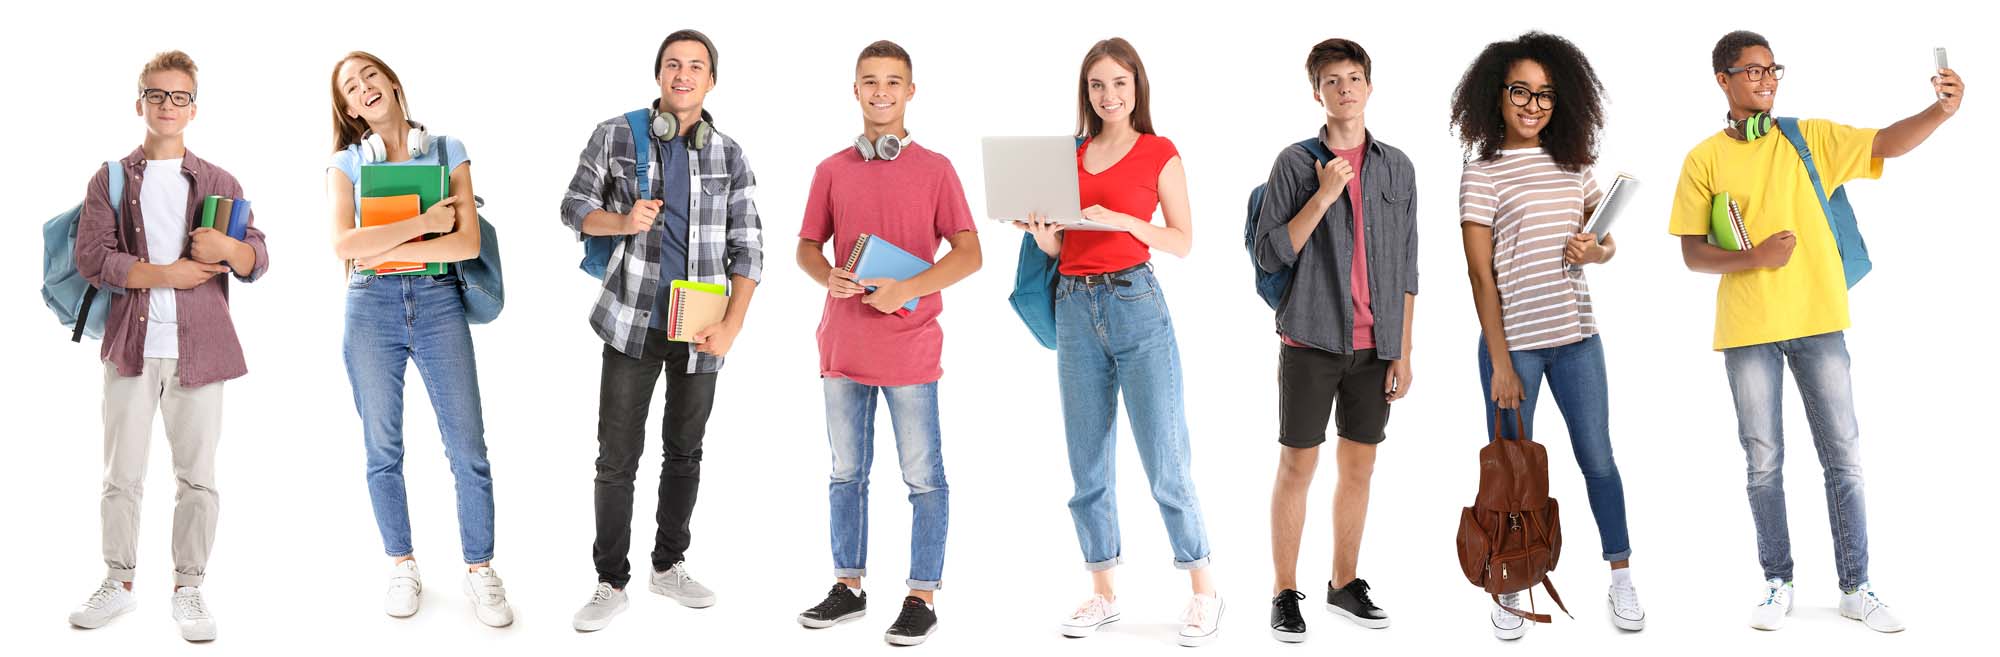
{"x": 1862, "y": 605}
{"x": 1770, "y": 614}
{"x": 1507, "y": 626}
{"x": 489, "y": 598}
{"x": 406, "y": 590}
{"x": 1626, "y": 614}
{"x": 605, "y": 603}
{"x": 1202, "y": 620}
{"x": 109, "y": 601}
{"x": 191, "y": 613}
{"x": 1095, "y": 613}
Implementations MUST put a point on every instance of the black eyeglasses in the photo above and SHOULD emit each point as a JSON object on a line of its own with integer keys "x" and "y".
{"x": 1756, "y": 73}
{"x": 1519, "y": 96}
{"x": 161, "y": 96}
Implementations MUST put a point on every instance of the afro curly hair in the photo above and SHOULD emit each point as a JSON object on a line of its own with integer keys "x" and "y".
{"x": 1571, "y": 134}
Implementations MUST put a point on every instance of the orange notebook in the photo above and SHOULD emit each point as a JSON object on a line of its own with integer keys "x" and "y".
{"x": 383, "y": 210}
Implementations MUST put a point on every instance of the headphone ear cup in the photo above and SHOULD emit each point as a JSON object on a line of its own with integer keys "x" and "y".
{"x": 698, "y": 139}
{"x": 665, "y": 126}
{"x": 371, "y": 149}
{"x": 889, "y": 147}
{"x": 419, "y": 141}
{"x": 866, "y": 149}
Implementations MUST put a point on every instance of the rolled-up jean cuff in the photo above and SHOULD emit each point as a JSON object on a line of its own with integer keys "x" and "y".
{"x": 921, "y": 585}
{"x": 1617, "y": 556}
{"x": 184, "y": 579}
{"x": 120, "y": 574}
{"x": 1106, "y": 564}
{"x": 1192, "y": 565}
{"x": 486, "y": 559}
{"x": 850, "y": 573}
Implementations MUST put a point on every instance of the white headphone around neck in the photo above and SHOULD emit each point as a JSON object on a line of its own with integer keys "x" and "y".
{"x": 887, "y": 147}
{"x": 417, "y": 140}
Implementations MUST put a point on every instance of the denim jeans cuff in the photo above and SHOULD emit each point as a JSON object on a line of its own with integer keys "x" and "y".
{"x": 184, "y": 579}
{"x": 1107, "y": 564}
{"x": 120, "y": 574}
{"x": 924, "y": 585}
{"x": 1192, "y": 565}
{"x": 1618, "y": 556}
{"x": 850, "y": 573}
{"x": 471, "y": 559}
{"x": 395, "y": 554}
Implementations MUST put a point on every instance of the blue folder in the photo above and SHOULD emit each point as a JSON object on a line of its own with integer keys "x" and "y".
{"x": 874, "y": 257}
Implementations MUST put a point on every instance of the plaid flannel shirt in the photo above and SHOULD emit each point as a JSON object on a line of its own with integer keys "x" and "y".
{"x": 724, "y": 233}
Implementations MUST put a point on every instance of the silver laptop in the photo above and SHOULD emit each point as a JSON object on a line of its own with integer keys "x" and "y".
{"x": 1034, "y": 175}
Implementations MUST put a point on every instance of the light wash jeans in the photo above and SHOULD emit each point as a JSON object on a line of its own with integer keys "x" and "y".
{"x": 1113, "y": 339}
{"x": 1757, "y": 378}
{"x": 392, "y": 320}
{"x": 850, "y": 431}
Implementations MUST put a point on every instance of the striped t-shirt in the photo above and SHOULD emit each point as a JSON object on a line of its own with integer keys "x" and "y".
{"x": 1534, "y": 207}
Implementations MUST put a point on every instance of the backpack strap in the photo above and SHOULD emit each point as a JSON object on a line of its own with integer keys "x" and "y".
{"x": 642, "y": 150}
{"x": 1318, "y": 149}
{"x": 1789, "y": 126}
{"x": 1534, "y": 616}
{"x": 115, "y": 192}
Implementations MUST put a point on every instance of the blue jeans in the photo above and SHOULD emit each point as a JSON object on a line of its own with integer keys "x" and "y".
{"x": 850, "y": 431}
{"x": 1575, "y": 373}
{"x": 1756, "y": 378}
{"x": 392, "y": 320}
{"x": 1113, "y": 339}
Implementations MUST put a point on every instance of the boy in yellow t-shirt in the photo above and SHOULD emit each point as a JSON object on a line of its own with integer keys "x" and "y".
{"x": 1785, "y": 300}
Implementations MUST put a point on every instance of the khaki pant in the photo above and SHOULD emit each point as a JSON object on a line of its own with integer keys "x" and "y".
{"x": 194, "y": 426}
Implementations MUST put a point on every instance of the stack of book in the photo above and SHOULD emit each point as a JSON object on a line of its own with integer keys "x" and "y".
{"x": 400, "y": 192}
{"x": 232, "y": 213}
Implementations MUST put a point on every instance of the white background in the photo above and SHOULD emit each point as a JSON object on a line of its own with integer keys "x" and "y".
{"x": 298, "y": 564}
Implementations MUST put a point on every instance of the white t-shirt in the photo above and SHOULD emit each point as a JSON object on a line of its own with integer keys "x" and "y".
{"x": 163, "y": 202}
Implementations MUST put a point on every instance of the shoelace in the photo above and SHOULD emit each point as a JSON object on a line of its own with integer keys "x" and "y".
{"x": 1870, "y": 602}
{"x": 907, "y": 621}
{"x": 1625, "y": 597}
{"x": 833, "y": 599}
{"x": 101, "y": 597}
{"x": 1197, "y": 612}
{"x": 190, "y": 606}
{"x": 679, "y": 573}
{"x": 603, "y": 593}
{"x": 1095, "y": 607}
{"x": 1776, "y": 595}
{"x": 1288, "y": 604}
{"x": 1360, "y": 593}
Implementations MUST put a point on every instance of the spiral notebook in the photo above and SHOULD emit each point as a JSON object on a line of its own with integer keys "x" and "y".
{"x": 1725, "y": 224}
{"x": 693, "y": 306}
{"x": 874, "y": 257}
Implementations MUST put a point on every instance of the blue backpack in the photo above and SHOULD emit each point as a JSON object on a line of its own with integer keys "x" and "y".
{"x": 74, "y": 300}
{"x": 1839, "y": 214}
{"x": 1034, "y": 295}
{"x": 597, "y": 248}
{"x": 1271, "y": 285}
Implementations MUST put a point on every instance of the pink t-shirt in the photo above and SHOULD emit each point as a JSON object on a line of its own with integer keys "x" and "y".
{"x": 914, "y": 202}
{"x": 1357, "y": 280}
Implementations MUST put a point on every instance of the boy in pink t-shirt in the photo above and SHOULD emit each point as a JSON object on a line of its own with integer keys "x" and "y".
{"x": 897, "y": 192}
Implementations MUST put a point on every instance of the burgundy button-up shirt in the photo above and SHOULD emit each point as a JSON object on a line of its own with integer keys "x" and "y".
{"x": 106, "y": 249}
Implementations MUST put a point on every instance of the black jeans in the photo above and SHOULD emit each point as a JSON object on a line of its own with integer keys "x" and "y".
{"x": 623, "y": 397}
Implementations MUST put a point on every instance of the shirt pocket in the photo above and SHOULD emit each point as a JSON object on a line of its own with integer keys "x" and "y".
{"x": 714, "y": 195}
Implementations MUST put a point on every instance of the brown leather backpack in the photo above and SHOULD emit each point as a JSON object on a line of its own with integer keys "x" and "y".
{"x": 1510, "y": 538}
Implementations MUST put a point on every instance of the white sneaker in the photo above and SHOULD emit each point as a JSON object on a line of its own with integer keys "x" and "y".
{"x": 109, "y": 601}
{"x": 676, "y": 583}
{"x": 1862, "y": 605}
{"x": 1095, "y": 613}
{"x": 1770, "y": 614}
{"x": 406, "y": 590}
{"x": 606, "y": 602}
{"x": 1507, "y": 626}
{"x": 1626, "y": 614}
{"x": 489, "y": 599}
{"x": 1201, "y": 620}
{"x": 192, "y": 615}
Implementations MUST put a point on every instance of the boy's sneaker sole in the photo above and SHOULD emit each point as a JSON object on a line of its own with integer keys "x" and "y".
{"x": 595, "y": 625}
{"x": 823, "y": 624}
{"x": 106, "y": 620}
{"x": 1081, "y": 632}
{"x": 902, "y": 640}
{"x": 691, "y": 602}
{"x": 1288, "y": 637}
{"x": 1864, "y": 622}
{"x": 1199, "y": 641}
{"x": 1370, "y": 623}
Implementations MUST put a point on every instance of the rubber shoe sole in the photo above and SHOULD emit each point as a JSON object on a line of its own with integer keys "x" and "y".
{"x": 1288, "y": 637}
{"x": 1622, "y": 622}
{"x": 689, "y": 601}
{"x": 1370, "y": 623}
{"x": 582, "y": 625}
{"x": 1078, "y": 632}
{"x": 817, "y": 624}
{"x": 902, "y": 640}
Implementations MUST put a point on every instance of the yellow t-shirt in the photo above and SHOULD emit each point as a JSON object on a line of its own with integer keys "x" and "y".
{"x": 1807, "y": 296}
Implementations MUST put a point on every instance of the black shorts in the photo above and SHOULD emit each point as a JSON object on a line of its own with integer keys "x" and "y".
{"x": 1309, "y": 382}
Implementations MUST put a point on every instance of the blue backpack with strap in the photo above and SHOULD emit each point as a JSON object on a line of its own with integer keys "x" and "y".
{"x": 1272, "y": 285}
{"x": 1839, "y": 213}
{"x": 597, "y": 248}
{"x": 1034, "y": 295}
{"x": 73, "y": 299}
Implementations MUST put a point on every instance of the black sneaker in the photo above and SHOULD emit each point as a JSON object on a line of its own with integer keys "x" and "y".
{"x": 1352, "y": 601}
{"x": 914, "y": 625}
{"x": 1287, "y": 624}
{"x": 841, "y": 604}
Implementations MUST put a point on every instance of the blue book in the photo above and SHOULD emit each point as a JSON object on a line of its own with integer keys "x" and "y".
{"x": 874, "y": 257}
{"x": 239, "y": 218}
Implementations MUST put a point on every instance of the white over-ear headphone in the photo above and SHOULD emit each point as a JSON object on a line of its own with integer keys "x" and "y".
{"x": 887, "y": 147}
{"x": 417, "y": 140}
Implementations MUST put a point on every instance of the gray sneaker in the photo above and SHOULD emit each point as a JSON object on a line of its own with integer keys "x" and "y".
{"x": 677, "y": 584}
{"x": 605, "y": 603}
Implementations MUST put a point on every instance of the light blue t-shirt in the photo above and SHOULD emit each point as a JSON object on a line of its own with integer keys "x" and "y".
{"x": 444, "y": 150}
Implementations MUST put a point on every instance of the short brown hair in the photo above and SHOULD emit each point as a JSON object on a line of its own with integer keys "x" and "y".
{"x": 1088, "y": 124}
{"x": 1338, "y": 50}
{"x": 172, "y": 60}
{"x": 888, "y": 49}
{"x": 347, "y": 130}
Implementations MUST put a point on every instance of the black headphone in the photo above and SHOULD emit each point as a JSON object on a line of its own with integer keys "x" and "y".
{"x": 666, "y": 126}
{"x": 1753, "y": 127}
{"x": 887, "y": 147}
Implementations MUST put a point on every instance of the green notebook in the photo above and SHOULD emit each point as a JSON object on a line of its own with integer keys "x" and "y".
{"x": 428, "y": 181}
{"x": 1725, "y": 224}
{"x": 208, "y": 211}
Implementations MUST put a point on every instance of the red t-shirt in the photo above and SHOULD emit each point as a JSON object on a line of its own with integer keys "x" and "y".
{"x": 1131, "y": 186}
{"x": 914, "y": 201}
{"x": 1357, "y": 279}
